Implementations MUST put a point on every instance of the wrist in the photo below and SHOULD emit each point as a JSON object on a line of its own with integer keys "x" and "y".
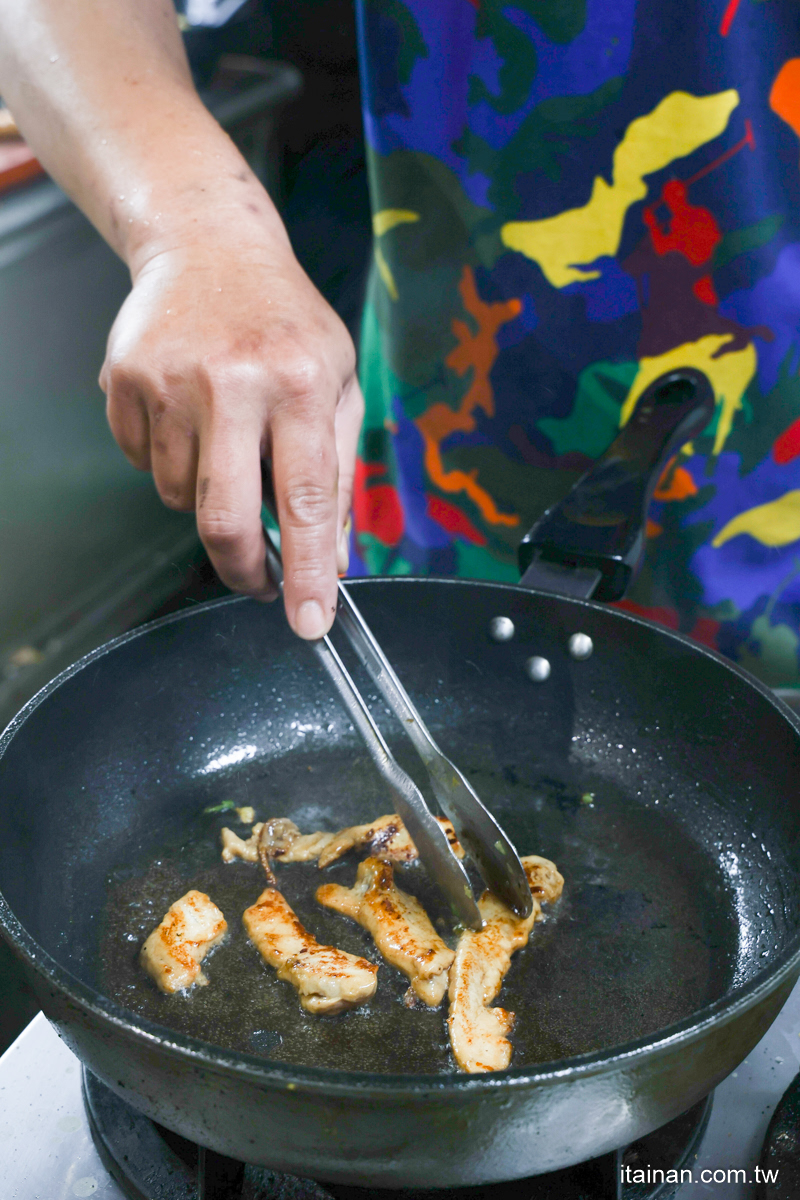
{"x": 202, "y": 219}
{"x": 197, "y": 192}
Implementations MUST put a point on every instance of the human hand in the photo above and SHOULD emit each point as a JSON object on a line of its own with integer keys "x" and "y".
{"x": 225, "y": 355}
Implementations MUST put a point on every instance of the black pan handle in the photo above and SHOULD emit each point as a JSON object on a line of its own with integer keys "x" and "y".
{"x": 600, "y": 523}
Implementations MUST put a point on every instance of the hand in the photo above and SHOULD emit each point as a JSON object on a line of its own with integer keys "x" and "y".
{"x": 223, "y": 355}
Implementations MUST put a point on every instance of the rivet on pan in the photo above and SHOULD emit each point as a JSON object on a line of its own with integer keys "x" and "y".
{"x": 580, "y": 645}
{"x": 501, "y": 629}
{"x": 537, "y": 669}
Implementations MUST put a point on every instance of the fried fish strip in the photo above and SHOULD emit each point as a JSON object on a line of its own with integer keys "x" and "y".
{"x": 327, "y": 980}
{"x": 279, "y": 838}
{"x": 387, "y": 838}
{"x": 235, "y": 847}
{"x": 399, "y": 926}
{"x": 478, "y": 1033}
{"x": 174, "y": 950}
{"x": 545, "y": 880}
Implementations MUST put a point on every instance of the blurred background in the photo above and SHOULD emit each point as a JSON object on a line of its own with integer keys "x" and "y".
{"x": 87, "y": 550}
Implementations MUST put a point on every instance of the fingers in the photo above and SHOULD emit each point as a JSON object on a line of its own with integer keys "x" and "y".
{"x": 217, "y": 472}
{"x": 153, "y": 437}
{"x": 349, "y": 415}
{"x": 228, "y": 504}
{"x": 304, "y": 465}
{"x": 174, "y": 455}
{"x": 127, "y": 415}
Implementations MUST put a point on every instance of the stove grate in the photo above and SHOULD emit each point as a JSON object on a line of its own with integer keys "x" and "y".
{"x": 152, "y": 1163}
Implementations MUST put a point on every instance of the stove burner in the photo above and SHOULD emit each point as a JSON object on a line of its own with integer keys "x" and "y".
{"x": 151, "y": 1163}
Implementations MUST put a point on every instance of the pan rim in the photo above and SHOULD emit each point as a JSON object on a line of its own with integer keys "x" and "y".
{"x": 329, "y": 1081}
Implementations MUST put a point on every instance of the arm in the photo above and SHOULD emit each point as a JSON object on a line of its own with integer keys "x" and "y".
{"x": 224, "y": 352}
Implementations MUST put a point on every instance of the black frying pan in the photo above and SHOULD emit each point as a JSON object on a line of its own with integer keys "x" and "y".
{"x": 660, "y": 778}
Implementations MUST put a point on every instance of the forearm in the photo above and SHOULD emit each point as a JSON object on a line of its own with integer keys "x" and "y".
{"x": 102, "y": 91}
{"x": 224, "y": 352}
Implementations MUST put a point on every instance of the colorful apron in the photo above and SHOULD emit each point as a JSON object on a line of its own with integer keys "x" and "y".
{"x": 569, "y": 199}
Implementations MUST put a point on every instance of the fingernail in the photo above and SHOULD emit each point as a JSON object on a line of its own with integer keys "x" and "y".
{"x": 343, "y": 554}
{"x": 310, "y": 620}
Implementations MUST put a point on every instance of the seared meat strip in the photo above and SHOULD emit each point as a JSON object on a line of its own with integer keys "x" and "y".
{"x": 328, "y": 980}
{"x": 399, "y": 926}
{"x": 478, "y": 1033}
{"x": 174, "y": 950}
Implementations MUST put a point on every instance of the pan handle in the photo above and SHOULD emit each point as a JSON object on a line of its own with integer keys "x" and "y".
{"x": 600, "y": 524}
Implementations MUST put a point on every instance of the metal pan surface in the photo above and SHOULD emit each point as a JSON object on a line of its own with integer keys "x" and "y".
{"x": 661, "y": 779}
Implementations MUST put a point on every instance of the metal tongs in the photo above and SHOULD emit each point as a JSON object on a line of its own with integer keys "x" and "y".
{"x": 477, "y": 830}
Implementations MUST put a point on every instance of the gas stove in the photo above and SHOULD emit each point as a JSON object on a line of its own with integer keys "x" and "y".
{"x": 64, "y": 1135}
